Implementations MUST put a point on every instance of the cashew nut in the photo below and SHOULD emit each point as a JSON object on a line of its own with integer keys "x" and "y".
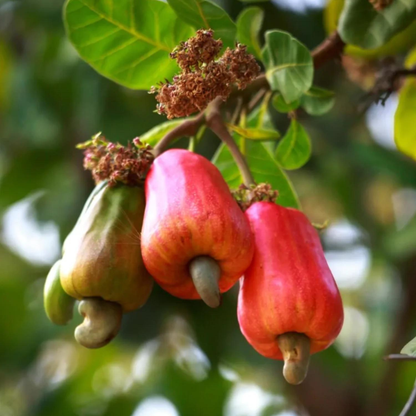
{"x": 295, "y": 348}
{"x": 101, "y": 324}
{"x": 206, "y": 273}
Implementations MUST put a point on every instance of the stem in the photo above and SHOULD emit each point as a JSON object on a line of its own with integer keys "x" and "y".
{"x": 243, "y": 141}
{"x": 216, "y": 124}
{"x": 191, "y": 146}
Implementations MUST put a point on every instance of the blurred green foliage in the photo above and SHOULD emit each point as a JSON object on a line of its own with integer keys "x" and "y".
{"x": 183, "y": 351}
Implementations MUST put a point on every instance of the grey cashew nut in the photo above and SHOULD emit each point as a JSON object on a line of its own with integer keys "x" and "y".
{"x": 206, "y": 273}
{"x": 295, "y": 348}
{"x": 101, "y": 324}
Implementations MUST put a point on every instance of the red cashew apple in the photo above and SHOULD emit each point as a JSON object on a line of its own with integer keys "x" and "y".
{"x": 196, "y": 242}
{"x": 289, "y": 305}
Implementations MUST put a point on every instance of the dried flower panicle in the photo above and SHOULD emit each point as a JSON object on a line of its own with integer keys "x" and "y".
{"x": 247, "y": 196}
{"x": 380, "y": 5}
{"x": 241, "y": 64}
{"x": 116, "y": 163}
{"x": 195, "y": 52}
{"x": 203, "y": 77}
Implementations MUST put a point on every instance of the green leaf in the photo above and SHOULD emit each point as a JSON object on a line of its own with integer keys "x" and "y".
{"x": 294, "y": 150}
{"x": 203, "y": 14}
{"x": 254, "y": 1}
{"x": 153, "y": 136}
{"x": 409, "y": 348}
{"x": 317, "y": 101}
{"x": 260, "y": 160}
{"x": 259, "y": 134}
{"x": 404, "y": 118}
{"x": 289, "y": 65}
{"x": 128, "y": 41}
{"x": 361, "y": 25}
{"x": 249, "y": 24}
{"x": 282, "y": 106}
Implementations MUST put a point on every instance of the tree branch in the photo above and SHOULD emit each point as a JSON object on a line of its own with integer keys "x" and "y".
{"x": 331, "y": 48}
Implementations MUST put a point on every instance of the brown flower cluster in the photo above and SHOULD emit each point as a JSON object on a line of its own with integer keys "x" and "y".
{"x": 199, "y": 50}
{"x": 247, "y": 196}
{"x": 204, "y": 77}
{"x": 116, "y": 163}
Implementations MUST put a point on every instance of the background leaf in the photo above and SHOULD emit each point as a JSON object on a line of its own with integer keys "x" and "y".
{"x": 5, "y": 68}
{"x": 289, "y": 65}
{"x": 129, "y": 48}
{"x": 317, "y": 101}
{"x": 404, "y": 118}
{"x": 282, "y": 106}
{"x": 361, "y": 25}
{"x": 249, "y": 24}
{"x": 397, "y": 44}
{"x": 203, "y": 14}
{"x": 294, "y": 150}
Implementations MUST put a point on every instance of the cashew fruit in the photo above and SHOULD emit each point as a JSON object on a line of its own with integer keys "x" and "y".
{"x": 196, "y": 242}
{"x": 102, "y": 255}
{"x": 289, "y": 305}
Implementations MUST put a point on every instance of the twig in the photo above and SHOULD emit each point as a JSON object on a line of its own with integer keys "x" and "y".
{"x": 189, "y": 127}
{"x": 237, "y": 111}
{"x": 216, "y": 124}
{"x": 387, "y": 81}
{"x": 399, "y": 357}
{"x": 256, "y": 99}
{"x": 409, "y": 404}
